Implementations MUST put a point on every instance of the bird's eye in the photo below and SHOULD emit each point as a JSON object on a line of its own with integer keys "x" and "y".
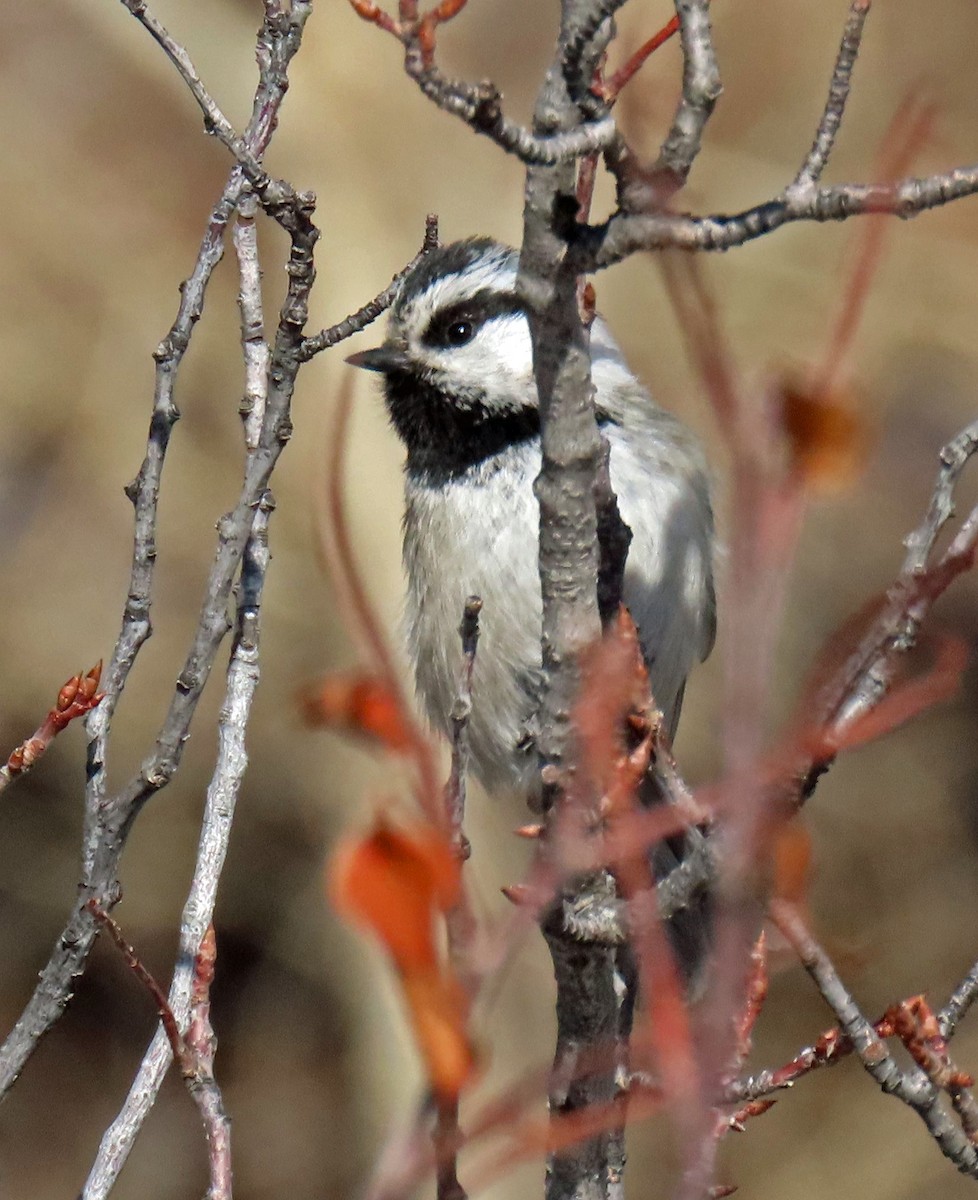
{"x": 459, "y": 333}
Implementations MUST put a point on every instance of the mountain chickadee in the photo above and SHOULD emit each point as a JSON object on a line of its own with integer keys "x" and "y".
{"x": 458, "y": 374}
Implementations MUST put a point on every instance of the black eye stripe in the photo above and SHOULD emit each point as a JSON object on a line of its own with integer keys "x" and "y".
{"x": 474, "y": 310}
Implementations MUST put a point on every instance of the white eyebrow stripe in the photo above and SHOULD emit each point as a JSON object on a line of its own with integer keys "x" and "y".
{"x": 494, "y": 274}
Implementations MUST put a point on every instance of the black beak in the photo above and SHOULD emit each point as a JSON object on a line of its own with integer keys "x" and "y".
{"x": 386, "y": 359}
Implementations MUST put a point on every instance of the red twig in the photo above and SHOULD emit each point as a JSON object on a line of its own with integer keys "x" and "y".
{"x": 337, "y": 550}
{"x": 409, "y": 28}
{"x": 610, "y": 89}
{"x": 194, "y": 1051}
{"x": 77, "y": 697}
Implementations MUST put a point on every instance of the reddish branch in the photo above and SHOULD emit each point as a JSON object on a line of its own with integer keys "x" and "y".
{"x": 192, "y": 1051}
{"x": 915, "y": 1024}
{"x": 77, "y": 697}
{"x": 479, "y": 105}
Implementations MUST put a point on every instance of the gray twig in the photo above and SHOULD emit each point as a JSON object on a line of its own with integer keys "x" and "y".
{"x": 961, "y": 1000}
{"x": 815, "y": 163}
{"x": 198, "y": 912}
{"x": 215, "y": 122}
{"x": 918, "y": 1092}
{"x": 108, "y": 820}
{"x": 373, "y": 309}
{"x": 253, "y": 343}
{"x": 592, "y": 1011}
{"x": 194, "y": 1050}
{"x": 701, "y": 90}
{"x": 480, "y": 105}
{"x": 459, "y": 922}
{"x": 625, "y": 233}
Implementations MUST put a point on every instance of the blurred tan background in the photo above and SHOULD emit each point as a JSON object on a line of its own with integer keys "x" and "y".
{"x": 107, "y": 183}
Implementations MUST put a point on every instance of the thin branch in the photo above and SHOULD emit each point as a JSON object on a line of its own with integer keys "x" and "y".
{"x": 835, "y": 106}
{"x": 193, "y": 1051}
{"x": 108, "y": 821}
{"x": 370, "y": 311}
{"x": 78, "y": 696}
{"x": 198, "y": 912}
{"x": 460, "y": 926}
{"x": 919, "y": 1094}
{"x": 215, "y": 122}
{"x": 627, "y": 233}
{"x": 253, "y": 344}
{"x": 701, "y": 90}
{"x": 961, "y": 1000}
{"x": 480, "y": 105}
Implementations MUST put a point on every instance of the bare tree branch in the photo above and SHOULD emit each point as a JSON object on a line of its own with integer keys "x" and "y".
{"x": 919, "y": 1093}
{"x": 480, "y": 105}
{"x": 198, "y": 912}
{"x": 373, "y": 309}
{"x": 701, "y": 90}
{"x": 818, "y": 157}
{"x": 194, "y": 1050}
{"x": 215, "y": 122}
{"x": 109, "y": 820}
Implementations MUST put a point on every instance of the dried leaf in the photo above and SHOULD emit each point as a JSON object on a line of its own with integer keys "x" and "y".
{"x": 792, "y": 862}
{"x": 827, "y": 438}
{"x": 396, "y": 883}
{"x": 362, "y": 704}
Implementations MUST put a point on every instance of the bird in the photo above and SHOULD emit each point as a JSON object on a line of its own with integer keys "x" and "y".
{"x": 460, "y": 393}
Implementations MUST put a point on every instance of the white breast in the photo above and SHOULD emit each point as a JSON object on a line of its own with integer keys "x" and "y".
{"x": 480, "y": 538}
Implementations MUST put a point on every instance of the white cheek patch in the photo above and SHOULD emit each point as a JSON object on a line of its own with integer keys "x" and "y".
{"x": 498, "y": 362}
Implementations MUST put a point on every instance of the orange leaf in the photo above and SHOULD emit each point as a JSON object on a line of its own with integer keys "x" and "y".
{"x": 438, "y": 1008}
{"x": 362, "y": 704}
{"x": 792, "y": 863}
{"x": 396, "y": 883}
{"x": 827, "y": 438}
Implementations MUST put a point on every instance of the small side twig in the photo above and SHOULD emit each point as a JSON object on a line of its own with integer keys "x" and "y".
{"x": 961, "y": 1000}
{"x": 479, "y": 105}
{"x": 215, "y": 122}
{"x": 359, "y": 320}
{"x": 78, "y": 696}
{"x": 919, "y": 1093}
{"x": 459, "y": 923}
{"x": 193, "y": 1052}
{"x": 828, "y": 127}
{"x": 701, "y": 89}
